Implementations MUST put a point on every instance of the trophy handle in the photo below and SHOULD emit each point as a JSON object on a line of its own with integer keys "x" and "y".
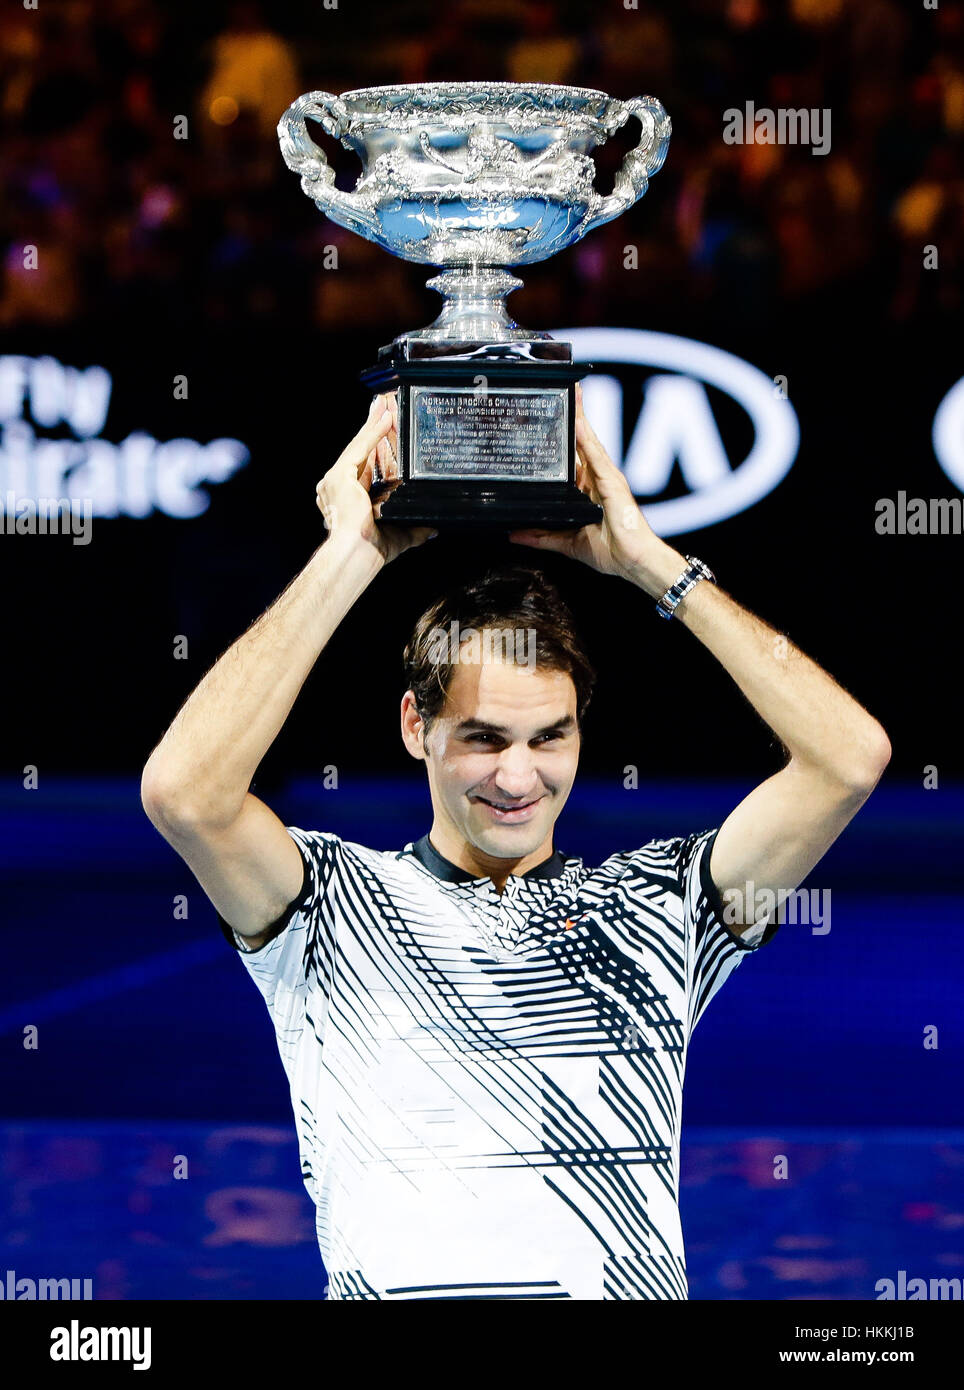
{"x": 646, "y": 159}
{"x": 304, "y": 157}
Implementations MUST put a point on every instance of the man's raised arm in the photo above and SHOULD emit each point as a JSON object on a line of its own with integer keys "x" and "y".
{"x": 837, "y": 752}
{"x": 195, "y": 784}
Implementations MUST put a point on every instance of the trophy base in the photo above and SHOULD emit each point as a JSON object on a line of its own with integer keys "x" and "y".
{"x": 485, "y": 435}
{"x": 484, "y": 505}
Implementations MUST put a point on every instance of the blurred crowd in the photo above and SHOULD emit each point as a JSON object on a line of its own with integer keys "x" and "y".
{"x": 140, "y": 158}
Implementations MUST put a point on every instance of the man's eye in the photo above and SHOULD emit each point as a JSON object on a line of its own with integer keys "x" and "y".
{"x": 492, "y": 738}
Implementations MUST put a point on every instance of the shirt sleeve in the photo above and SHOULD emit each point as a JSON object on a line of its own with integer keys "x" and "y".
{"x": 297, "y": 904}
{"x": 716, "y": 948}
{"x": 298, "y": 958}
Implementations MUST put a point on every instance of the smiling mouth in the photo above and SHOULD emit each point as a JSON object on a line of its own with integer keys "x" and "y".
{"x": 509, "y": 811}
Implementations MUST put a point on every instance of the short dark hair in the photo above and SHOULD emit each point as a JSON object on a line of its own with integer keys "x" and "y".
{"x": 512, "y": 596}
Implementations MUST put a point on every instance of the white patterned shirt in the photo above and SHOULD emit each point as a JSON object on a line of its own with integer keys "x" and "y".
{"x": 487, "y": 1088}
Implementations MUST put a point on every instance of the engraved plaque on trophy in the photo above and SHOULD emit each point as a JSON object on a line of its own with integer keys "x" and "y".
{"x": 476, "y": 178}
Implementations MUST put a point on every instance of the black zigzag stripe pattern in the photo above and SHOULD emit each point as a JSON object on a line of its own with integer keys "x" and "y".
{"x": 487, "y": 1088}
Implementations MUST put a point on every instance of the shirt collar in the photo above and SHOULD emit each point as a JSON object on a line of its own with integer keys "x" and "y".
{"x": 427, "y": 855}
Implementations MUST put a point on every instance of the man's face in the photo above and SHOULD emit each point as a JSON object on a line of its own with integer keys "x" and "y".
{"x": 502, "y": 754}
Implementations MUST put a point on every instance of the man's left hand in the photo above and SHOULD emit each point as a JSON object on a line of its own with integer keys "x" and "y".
{"x": 622, "y": 541}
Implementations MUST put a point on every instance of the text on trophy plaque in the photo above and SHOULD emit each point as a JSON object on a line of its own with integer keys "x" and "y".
{"x": 507, "y": 433}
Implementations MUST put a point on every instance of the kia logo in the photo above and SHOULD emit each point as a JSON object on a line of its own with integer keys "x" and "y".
{"x": 676, "y": 426}
{"x": 948, "y": 434}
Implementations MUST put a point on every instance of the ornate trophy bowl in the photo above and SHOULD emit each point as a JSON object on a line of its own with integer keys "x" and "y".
{"x": 476, "y": 178}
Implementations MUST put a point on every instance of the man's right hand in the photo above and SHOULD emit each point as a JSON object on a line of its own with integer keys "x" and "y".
{"x": 344, "y": 492}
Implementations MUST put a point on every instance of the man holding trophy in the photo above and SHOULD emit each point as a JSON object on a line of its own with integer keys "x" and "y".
{"x": 485, "y": 1039}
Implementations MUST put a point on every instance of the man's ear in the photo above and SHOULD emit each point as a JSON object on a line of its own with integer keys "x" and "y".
{"x": 413, "y": 727}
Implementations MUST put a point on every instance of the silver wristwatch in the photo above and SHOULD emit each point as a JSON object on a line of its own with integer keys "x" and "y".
{"x": 694, "y": 572}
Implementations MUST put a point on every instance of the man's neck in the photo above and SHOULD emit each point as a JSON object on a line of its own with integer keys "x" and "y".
{"x": 465, "y": 855}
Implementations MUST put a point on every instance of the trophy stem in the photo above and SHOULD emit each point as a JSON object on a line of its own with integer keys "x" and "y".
{"x": 474, "y": 306}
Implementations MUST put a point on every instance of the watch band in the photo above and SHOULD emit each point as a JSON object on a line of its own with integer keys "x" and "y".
{"x": 691, "y": 576}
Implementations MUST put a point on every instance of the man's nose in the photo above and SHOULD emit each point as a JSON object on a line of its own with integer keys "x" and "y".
{"x": 516, "y": 774}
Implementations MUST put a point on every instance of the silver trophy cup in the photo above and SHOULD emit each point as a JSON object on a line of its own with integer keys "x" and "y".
{"x": 476, "y": 178}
